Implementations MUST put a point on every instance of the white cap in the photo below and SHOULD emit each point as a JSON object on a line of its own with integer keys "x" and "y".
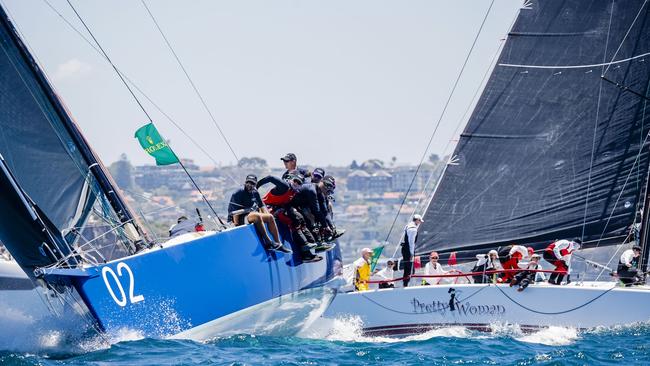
{"x": 366, "y": 250}
{"x": 417, "y": 217}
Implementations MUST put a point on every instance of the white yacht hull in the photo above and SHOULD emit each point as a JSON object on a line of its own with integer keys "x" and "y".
{"x": 407, "y": 311}
{"x": 23, "y": 309}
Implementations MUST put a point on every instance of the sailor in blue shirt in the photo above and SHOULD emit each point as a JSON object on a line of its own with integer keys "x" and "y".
{"x": 246, "y": 206}
{"x": 182, "y": 226}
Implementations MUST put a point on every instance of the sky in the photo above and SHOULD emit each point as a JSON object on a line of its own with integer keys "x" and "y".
{"x": 332, "y": 81}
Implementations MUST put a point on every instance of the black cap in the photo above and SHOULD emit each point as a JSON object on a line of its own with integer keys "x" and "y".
{"x": 251, "y": 178}
{"x": 318, "y": 171}
{"x": 288, "y": 157}
{"x": 296, "y": 175}
{"x": 329, "y": 181}
{"x": 636, "y": 247}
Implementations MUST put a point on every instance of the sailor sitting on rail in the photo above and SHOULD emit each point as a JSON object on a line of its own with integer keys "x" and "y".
{"x": 510, "y": 257}
{"x": 246, "y": 206}
{"x": 279, "y": 200}
{"x": 433, "y": 268}
{"x": 628, "y": 266}
{"x": 559, "y": 255}
{"x": 524, "y": 278}
{"x": 486, "y": 262}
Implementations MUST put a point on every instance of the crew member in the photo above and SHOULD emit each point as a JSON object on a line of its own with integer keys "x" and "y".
{"x": 325, "y": 189}
{"x": 362, "y": 270}
{"x": 485, "y": 263}
{"x": 279, "y": 199}
{"x": 246, "y": 206}
{"x": 387, "y": 274}
{"x": 528, "y": 275}
{"x": 317, "y": 175}
{"x": 510, "y": 261}
{"x": 433, "y": 268}
{"x": 313, "y": 210}
{"x": 628, "y": 266}
{"x": 559, "y": 255}
{"x": 182, "y": 226}
{"x": 291, "y": 163}
{"x": 409, "y": 239}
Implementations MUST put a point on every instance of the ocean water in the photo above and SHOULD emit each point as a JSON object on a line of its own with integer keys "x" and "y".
{"x": 344, "y": 345}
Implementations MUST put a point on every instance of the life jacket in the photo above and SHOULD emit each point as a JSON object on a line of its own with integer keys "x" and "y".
{"x": 563, "y": 252}
{"x": 364, "y": 276}
{"x": 405, "y": 237}
{"x": 279, "y": 200}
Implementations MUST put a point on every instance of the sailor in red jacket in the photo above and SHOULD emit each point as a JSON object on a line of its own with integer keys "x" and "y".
{"x": 559, "y": 255}
{"x": 278, "y": 200}
{"x": 511, "y": 255}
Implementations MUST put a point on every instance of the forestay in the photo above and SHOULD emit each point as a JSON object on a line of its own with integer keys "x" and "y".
{"x": 552, "y": 150}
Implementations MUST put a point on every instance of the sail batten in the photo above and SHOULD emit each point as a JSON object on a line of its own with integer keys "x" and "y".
{"x": 551, "y": 150}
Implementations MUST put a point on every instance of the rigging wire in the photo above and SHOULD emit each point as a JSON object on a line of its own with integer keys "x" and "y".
{"x": 593, "y": 140}
{"x": 642, "y": 144}
{"x": 442, "y": 114}
{"x": 143, "y": 110}
{"x": 139, "y": 90}
{"x": 625, "y": 37}
{"x": 189, "y": 79}
{"x": 456, "y": 132}
{"x": 636, "y": 161}
{"x": 110, "y": 61}
{"x": 463, "y": 118}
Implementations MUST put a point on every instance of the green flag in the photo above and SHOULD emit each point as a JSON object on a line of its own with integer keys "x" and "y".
{"x": 154, "y": 145}
{"x": 376, "y": 253}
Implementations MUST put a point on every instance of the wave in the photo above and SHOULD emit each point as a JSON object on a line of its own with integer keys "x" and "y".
{"x": 350, "y": 329}
{"x": 552, "y": 336}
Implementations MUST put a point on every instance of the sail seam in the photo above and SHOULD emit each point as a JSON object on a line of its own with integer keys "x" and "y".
{"x": 627, "y": 33}
{"x": 575, "y": 66}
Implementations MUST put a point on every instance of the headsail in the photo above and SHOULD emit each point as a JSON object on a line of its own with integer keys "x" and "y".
{"x": 45, "y": 151}
{"x": 530, "y": 169}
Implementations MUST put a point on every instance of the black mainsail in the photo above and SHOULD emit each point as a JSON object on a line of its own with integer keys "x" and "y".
{"x": 553, "y": 150}
{"x": 52, "y": 164}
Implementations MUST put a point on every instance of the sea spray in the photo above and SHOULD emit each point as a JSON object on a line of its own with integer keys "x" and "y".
{"x": 552, "y": 336}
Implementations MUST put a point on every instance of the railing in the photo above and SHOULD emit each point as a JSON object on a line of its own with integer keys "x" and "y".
{"x": 459, "y": 274}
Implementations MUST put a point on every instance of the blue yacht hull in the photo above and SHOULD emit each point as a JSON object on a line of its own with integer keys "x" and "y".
{"x": 171, "y": 290}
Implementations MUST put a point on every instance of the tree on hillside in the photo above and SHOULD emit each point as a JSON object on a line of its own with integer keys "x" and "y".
{"x": 354, "y": 165}
{"x": 252, "y": 163}
{"x": 372, "y": 165}
{"x": 434, "y": 158}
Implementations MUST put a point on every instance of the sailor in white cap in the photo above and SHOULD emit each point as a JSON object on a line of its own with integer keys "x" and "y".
{"x": 408, "y": 246}
{"x": 362, "y": 270}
